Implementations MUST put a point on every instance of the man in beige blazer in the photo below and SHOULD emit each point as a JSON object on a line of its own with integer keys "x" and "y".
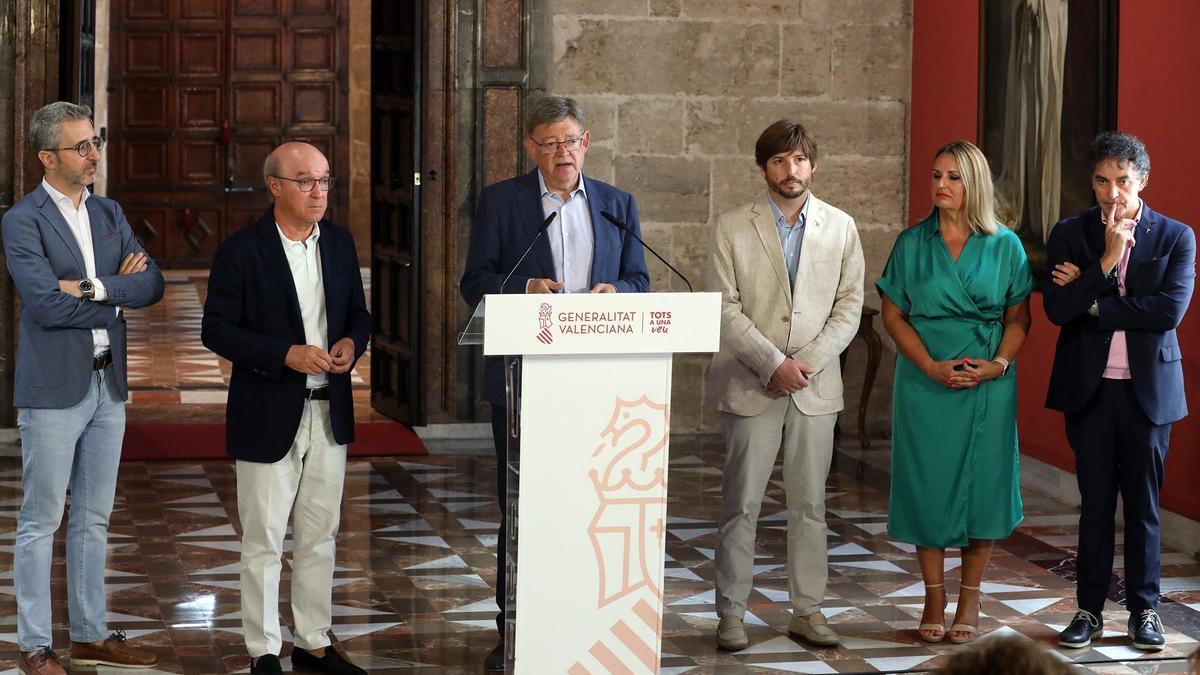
{"x": 790, "y": 271}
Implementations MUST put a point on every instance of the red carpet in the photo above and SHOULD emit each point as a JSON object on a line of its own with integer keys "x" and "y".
{"x": 172, "y": 442}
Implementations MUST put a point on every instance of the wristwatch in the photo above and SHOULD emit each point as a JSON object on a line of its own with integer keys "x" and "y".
{"x": 87, "y": 288}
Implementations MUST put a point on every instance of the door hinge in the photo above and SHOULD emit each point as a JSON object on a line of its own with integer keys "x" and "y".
{"x": 417, "y": 178}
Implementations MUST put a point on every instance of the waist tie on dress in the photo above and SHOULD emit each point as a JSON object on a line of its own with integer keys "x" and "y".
{"x": 965, "y": 335}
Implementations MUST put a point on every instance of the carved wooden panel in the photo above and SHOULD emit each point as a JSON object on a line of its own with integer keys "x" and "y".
{"x": 202, "y": 9}
{"x": 147, "y": 9}
{"x": 199, "y": 163}
{"x": 248, "y": 155}
{"x": 147, "y": 54}
{"x": 200, "y": 54}
{"x": 150, "y": 224}
{"x": 312, "y": 7}
{"x": 314, "y": 104}
{"x": 198, "y": 231}
{"x": 145, "y": 107}
{"x": 257, "y": 51}
{"x": 257, "y": 8}
{"x": 313, "y": 50}
{"x": 145, "y": 162}
{"x": 256, "y": 105}
{"x": 200, "y": 107}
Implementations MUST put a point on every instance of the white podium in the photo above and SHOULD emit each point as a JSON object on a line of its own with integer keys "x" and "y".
{"x": 588, "y": 470}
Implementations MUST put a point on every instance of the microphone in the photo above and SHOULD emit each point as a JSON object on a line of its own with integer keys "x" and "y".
{"x": 545, "y": 224}
{"x": 625, "y": 228}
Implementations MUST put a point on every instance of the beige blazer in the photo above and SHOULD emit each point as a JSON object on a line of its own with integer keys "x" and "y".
{"x": 763, "y": 320}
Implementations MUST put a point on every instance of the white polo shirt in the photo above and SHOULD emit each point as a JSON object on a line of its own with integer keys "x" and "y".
{"x": 305, "y": 262}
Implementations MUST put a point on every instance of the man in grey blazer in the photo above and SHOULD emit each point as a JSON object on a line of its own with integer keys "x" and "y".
{"x": 790, "y": 271}
{"x": 75, "y": 263}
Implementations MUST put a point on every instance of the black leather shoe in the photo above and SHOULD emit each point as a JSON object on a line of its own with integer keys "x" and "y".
{"x": 1084, "y": 628}
{"x": 494, "y": 661}
{"x": 268, "y": 664}
{"x": 332, "y": 662}
{"x": 1146, "y": 630}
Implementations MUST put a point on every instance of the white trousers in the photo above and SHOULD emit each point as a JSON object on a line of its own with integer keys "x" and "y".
{"x": 310, "y": 476}
{"x": 752, "y": 444}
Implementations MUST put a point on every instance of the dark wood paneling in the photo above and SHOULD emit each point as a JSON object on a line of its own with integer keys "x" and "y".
{"x": 200, "y": 54}
{"x": 202, "y": 91}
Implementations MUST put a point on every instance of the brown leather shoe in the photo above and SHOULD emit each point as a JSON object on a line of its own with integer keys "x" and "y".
{"x": 42, "y": 662}
{"x": 112, "y": 652}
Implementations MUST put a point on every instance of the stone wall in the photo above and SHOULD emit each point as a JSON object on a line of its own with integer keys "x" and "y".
{"x": 676, "y": 92}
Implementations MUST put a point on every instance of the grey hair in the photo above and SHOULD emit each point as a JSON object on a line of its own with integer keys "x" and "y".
{"x": 45, "y": 127}
{"x": 270, "y": 166}
{"x": 552, "y": 109}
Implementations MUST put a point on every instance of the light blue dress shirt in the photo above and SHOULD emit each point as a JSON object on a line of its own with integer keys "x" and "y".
{"x": 791, "y": 238}
{"x": 571, "y": 240}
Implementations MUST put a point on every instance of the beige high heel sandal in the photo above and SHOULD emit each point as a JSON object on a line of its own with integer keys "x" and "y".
{"x": 938, "y": 629}
{"x": 967, "y": 628}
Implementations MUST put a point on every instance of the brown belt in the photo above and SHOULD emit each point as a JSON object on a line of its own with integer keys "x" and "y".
{"x": 101, "y": 361}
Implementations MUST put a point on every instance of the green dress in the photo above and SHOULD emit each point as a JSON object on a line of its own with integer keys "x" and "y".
{"x": 954, "y": 451}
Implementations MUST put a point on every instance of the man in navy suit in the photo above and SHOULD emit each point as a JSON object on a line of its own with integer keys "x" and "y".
{"x": 1122, "y": 279}
{"x": 580, "y": 252}
{"x": 286, "y": 306}
{"x": 75, "y": 263}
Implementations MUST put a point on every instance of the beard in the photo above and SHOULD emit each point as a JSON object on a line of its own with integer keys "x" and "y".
{"x": 789, "y": 188}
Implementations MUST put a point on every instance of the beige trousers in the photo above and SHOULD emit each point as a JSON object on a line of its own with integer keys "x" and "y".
{"x": 752, "y": 444}
{"x": 310, "y": 476}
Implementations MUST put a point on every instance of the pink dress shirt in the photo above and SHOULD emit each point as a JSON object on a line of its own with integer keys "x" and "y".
{"x": 1117, "y": 367}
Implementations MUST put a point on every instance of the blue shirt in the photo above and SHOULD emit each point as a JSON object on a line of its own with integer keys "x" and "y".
{"x": 790, "y": 238}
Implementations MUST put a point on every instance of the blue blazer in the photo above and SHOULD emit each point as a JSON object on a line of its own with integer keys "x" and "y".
{"x": 252, "y": 317}
{"x": 507, "y": 217}
{"x": 1158, "y": 283}
{"x": 54, "y": 354}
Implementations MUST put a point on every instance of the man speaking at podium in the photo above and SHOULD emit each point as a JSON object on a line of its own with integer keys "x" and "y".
{"x": 554, "y": 209}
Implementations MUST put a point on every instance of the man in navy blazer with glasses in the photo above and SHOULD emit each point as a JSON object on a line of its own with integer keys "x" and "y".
{"x": 580, "y": 251}
{"x": 1122, "y": 280}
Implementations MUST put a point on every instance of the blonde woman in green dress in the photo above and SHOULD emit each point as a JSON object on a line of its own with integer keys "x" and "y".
{"x": 955, "y": 300}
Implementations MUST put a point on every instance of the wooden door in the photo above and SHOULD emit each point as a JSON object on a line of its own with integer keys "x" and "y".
{"x": 200, "y": 92}
{"x": 395, "y": 208}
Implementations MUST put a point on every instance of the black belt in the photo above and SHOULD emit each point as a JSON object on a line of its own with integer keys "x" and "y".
{"x": 319, "y": 394}
{"x": 101, "y": 361}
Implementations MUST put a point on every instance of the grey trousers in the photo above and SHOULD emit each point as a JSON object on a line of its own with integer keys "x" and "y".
{"x": 752, "y": 444}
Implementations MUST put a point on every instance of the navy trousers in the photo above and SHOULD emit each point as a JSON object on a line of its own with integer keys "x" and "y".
{"x": 500, "y": 439}
{"x": 1117, "y": 449}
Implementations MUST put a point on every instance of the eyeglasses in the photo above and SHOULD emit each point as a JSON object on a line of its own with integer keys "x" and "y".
{"x": 84, "y": 147}
{"x": 551, "y": 147}
{"x": 307, "y": 184}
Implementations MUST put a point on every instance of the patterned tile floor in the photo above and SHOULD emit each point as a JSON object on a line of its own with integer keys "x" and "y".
{"x": 415, "y": 564}
{"x": 168, "y": 365}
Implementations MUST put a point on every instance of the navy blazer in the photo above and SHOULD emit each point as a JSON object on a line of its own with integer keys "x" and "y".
{"x": 1158, "y": 284}
{"x": 252, "y": 317}
{"x": 507, "y": 217}
{"x": 54, "y": 355}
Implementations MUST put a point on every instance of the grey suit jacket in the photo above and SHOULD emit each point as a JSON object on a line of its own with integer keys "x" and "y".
{"x": 764, "y": 319}
{"x": 54, "y": 351}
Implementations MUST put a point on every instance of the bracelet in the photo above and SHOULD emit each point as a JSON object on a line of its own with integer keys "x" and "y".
{"x": 1004, "y": 364}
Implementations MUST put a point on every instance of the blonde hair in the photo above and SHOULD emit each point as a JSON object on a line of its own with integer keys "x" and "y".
{"x": 977, "y": 181}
